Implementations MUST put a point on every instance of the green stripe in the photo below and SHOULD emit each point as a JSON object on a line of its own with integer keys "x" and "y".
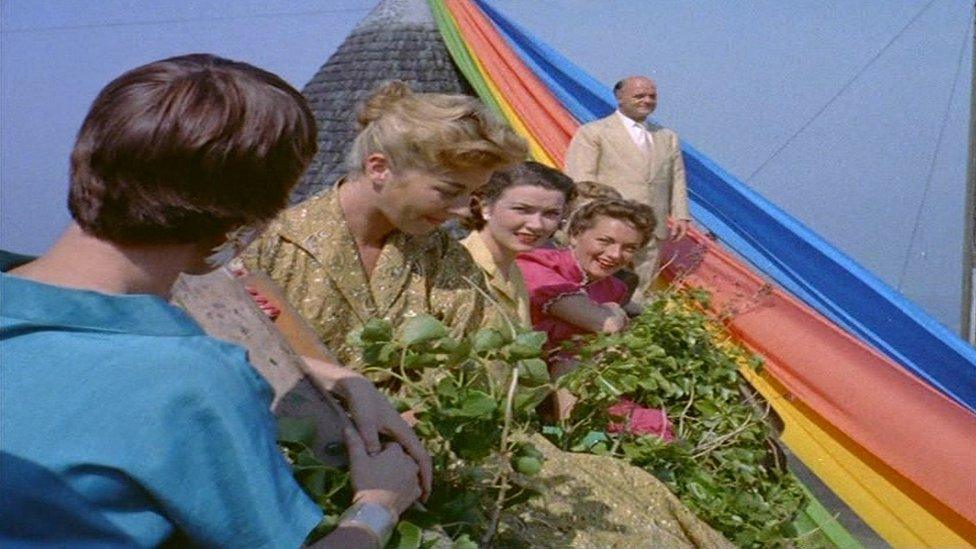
{"x": 816, "y": 517}
{"x": 462, "y": 56}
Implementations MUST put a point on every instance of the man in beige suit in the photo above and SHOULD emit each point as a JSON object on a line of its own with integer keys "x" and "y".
{"x": 641, "y": 160}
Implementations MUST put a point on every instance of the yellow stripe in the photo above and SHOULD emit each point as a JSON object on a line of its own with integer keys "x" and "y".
{"x": 535, "y": 149}
{"x": 888, "y": 510}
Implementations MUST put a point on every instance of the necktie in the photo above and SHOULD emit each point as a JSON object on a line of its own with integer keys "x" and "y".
{"x": 643, "y": 141}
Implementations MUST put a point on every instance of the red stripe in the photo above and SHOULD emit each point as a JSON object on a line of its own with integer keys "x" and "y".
{"x": 540, "y": 111}
{"x": 916, "y": 430}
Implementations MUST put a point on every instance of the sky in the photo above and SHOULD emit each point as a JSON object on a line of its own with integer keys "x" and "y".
{"x": 851, "y": 115}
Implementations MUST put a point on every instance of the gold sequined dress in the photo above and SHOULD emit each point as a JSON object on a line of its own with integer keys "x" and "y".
{"x": 310, "y": 252}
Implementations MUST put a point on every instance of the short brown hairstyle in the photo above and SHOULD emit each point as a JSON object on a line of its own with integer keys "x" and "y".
{"x": 187, "y": 148}
{"x": 640, "y": 216}
{"x": 528, "y": 173}
{"x": 431, "y": 131}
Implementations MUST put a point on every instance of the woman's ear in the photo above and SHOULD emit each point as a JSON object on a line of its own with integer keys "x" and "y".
{"x": 376, "y": 167}
{"x": 479, "y": 205}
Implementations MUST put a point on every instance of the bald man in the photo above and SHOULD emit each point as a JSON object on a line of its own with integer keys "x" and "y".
{"x": 640, "y": 159}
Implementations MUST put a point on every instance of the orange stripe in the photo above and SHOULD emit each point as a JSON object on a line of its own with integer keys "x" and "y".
{"x": 920, "y": 434}
{"x": 535, "y": 105}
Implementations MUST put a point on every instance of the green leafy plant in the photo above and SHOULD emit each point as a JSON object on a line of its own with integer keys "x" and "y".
{"x": 473, "y": 400}
{"x": 725, "y": 465}
{"x": 329, "y": 487}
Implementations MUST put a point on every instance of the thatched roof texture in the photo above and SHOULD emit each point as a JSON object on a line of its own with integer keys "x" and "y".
{"x": 397, "y": 40}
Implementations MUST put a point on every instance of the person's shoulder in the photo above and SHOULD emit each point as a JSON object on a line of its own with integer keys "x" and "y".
{"x": 308, "y": 218}
{"x": 658, "y": 129}
{"x": 553, "y": 258}
{"x": 201, "y": 366}
{"x": 598, "y": 124}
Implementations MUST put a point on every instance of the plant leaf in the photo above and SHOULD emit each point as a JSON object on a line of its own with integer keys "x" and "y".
{"x": 410, "y": 535}
{"x": 421, "y": 328}
{"x": 299, "y": 430}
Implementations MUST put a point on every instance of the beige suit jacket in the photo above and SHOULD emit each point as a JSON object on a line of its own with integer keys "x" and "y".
{"x": 603, "y": 151}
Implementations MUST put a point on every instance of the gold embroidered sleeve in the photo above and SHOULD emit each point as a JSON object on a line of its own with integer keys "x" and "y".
{"x": 457, "y": 291}
{"x": 300, "y": 277}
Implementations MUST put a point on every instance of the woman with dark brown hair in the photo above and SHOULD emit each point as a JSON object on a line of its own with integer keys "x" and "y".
{"x": 517, "y": 211}
{"x": 123, "y": 423}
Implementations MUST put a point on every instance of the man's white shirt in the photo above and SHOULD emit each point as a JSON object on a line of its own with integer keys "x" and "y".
{"x": 638, "y": 133}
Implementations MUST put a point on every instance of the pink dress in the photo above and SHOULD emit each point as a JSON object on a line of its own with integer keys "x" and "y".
{"x": 551, "y": 274}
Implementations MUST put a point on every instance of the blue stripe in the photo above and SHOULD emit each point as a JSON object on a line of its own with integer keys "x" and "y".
{"x": 779, "y": 245}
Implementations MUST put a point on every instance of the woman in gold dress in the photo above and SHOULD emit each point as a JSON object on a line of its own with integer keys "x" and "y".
{"x": 371, "y": 246}
{"x": 517, "y": 211}
{"x": 589, "y": 501}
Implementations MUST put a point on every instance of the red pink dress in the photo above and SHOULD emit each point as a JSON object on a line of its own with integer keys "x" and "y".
{"x": 552, "y": 274}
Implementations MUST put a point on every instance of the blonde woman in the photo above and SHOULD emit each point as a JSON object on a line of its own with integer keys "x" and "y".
{"x": 371, "y": 246}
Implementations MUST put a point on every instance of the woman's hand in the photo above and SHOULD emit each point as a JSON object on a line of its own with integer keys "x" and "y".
{"x": 372, "y": 414}
{"x": 388, "y": 477}
{"x": 617, "y": 320}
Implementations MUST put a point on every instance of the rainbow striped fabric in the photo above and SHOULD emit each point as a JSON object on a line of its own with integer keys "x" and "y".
{"x": 879, "y": 400}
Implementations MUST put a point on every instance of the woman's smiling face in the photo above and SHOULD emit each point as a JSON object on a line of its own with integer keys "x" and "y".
{"x": 524, "y": 217}
{"x": 606, "y": 247}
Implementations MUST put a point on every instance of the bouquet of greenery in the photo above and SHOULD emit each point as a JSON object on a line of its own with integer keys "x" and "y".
{"x": 725, "y": 464}
{"x": 473, "y": 401}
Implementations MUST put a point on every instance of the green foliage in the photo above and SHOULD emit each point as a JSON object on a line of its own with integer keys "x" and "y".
{"x": 723, "y": 465}
{"x": 472, "y": 398}
{"x": 475, "y": 397}
{"x": 327, "y": 486}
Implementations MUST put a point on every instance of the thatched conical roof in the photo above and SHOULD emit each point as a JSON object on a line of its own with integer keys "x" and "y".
{"x": 397, "y": 40}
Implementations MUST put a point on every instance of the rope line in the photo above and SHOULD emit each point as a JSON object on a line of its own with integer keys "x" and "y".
{"x": 842, "y": 90}
{"x": 935, "y": 157}
{"x": 180, "y": 20}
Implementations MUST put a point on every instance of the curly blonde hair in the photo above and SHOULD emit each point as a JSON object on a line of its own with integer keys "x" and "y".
{"x": 431, "y": 131}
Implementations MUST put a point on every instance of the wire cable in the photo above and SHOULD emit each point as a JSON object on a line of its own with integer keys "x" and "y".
{"x": 180, "y": 20}
{"x": 840, "y": 92}
{"x": 935, "y": 157}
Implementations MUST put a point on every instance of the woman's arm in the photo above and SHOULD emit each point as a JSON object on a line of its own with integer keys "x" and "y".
{"x": 370, "y": 411}
{"x": 582, "y": 311}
